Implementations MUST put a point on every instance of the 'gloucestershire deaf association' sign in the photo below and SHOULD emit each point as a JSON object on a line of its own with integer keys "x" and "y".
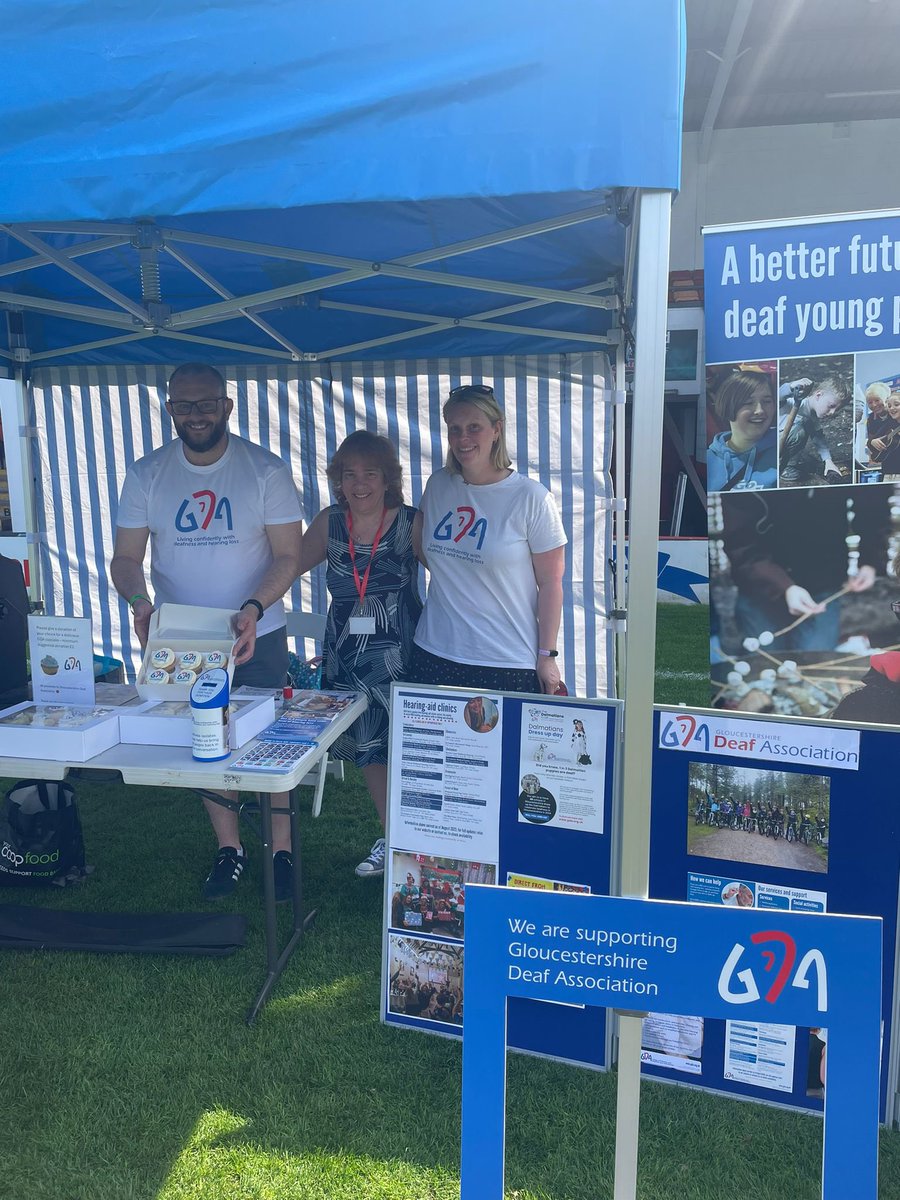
{"x": 686, "y": 959}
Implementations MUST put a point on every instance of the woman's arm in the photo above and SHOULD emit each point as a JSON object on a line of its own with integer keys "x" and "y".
{"x": 548, "y": 572}
{"x": 314, "y": 546}
{"x": 417, "y": 538}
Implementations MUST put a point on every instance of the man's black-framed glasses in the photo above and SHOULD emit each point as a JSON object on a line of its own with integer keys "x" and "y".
{"x": 480, "y": 389}
{"x": 184, "y": 408}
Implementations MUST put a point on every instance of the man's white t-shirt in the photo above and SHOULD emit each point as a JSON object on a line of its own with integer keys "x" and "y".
{"x": 208, "y": 542}
{"x": 482, "y": 602}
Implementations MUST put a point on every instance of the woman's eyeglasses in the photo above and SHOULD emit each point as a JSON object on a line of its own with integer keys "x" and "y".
{"x": 184, "y": 408}
{"x": 481, "y": 389}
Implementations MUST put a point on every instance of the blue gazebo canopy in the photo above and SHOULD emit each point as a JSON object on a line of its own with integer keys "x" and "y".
{"x": 294, "y": 181}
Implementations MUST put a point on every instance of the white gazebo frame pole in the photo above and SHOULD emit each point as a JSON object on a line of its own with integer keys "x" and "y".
{"x": 621, "y": 515}
{"x": 643, "y": 539}
{"x": 22, "y": 446}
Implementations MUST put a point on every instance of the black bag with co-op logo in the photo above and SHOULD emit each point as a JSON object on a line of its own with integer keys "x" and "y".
{"x": 40, "y": 835}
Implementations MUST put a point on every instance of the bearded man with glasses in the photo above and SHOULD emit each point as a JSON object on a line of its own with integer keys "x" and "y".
{"x": 223, "y": 520}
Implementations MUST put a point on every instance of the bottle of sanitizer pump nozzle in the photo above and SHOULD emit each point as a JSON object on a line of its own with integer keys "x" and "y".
{"x": 209, "y": 712}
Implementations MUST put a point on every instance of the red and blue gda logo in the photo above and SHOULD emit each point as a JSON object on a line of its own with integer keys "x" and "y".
{"x": 779, "y": 963}
{"x": 454, "y": 526}
{"x": 684, "y": 732}
{"x": 198, "y": 511}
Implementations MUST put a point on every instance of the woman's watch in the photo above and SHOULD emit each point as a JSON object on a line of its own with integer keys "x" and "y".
{"x": 548, "y": 653}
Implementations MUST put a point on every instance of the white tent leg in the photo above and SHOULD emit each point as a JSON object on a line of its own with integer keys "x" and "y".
{"x": 22, "y": 447}
{"x": 646, "y": 449}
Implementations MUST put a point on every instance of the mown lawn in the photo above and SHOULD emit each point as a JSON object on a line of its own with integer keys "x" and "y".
{"x": 135, "y": 1078}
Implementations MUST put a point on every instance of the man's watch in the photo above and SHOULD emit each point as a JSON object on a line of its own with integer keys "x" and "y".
{"x": 549, "y": 653}
{"x": 256, "y": 604}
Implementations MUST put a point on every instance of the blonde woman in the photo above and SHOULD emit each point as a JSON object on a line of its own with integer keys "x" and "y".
{"x": 494, "y": 545}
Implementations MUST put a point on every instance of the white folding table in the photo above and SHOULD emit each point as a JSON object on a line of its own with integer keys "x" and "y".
{"x": 173, "y": 766}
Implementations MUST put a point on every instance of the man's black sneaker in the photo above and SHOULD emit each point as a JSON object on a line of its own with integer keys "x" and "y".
{"x": 283, "y": 868}
{"x": 225, "y": 873}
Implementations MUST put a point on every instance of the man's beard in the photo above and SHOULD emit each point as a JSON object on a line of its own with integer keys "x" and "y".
{"x": 200, "y": 443}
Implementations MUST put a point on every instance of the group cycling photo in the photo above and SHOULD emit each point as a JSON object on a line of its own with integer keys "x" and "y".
{"x": 746, "y": 814}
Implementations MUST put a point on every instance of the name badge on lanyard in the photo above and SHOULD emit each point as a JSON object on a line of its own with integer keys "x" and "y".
{"x": 359, "y": 624}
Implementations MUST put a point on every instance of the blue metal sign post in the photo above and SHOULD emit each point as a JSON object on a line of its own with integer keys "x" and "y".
{"x": 687, "y": 959}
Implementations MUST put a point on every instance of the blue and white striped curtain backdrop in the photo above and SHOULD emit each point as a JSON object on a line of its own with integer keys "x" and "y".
{"x": 92, "y": 422}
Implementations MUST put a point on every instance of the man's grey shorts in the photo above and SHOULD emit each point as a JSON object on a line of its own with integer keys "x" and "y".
{"x": 269, "y": 664}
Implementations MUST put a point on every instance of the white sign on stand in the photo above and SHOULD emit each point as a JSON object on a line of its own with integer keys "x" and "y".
{"x": 62, "y": 660}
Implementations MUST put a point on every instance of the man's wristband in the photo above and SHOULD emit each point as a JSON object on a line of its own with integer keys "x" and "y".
{"x": 548, "y": 653}
{"x": 132, "y": 600}
{"x": 256, "y": 604}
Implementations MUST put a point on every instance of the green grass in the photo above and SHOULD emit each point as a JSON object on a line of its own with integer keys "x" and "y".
{"x": 682, "y": 654}
{"x": 135, "y": 1078}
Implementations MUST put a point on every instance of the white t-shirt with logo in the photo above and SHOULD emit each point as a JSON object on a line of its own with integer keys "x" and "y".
{"x": 482, "y": 602}
{"x": 208, "y": 542}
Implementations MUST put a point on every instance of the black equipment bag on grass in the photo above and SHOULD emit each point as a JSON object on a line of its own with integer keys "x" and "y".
{"x": 40, "y": 834}
{"x": 23, "y": 927}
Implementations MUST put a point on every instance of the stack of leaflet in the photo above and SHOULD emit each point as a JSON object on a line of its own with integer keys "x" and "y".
{"x": 284, "y": 743}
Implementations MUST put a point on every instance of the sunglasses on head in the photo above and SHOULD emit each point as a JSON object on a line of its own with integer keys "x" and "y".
{"x": 480, "y": 389}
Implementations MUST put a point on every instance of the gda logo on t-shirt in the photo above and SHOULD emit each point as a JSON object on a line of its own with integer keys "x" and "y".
{"x": 462, "y": 523}
{"x": 197, "y": 511}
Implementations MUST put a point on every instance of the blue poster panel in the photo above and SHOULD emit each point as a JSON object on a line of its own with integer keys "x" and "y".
{"x": 505, "y": 789}
{"x": 756, "y": 969}
{"x": 776, "y": 817}
{"x": 803, "y": 466}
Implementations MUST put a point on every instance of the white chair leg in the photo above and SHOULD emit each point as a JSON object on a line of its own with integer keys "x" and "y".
{"x": 320, "y": 787}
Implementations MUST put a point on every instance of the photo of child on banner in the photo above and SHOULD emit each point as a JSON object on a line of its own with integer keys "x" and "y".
{"x": 741, "y": 424}
{"x": 802, "y": 588}
{"x": 815, "y": 421}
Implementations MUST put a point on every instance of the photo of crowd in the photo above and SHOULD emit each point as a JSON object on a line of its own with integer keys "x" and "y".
{"x": 428, "y": 894}
{"x": 758, "y": 815}
{"x": 425, "y": 980}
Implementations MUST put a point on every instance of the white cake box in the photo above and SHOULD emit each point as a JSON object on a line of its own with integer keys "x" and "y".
{"x": 168, "y": 722}
{"x": 58, "y": 732}
{"x": 181, "y": 627}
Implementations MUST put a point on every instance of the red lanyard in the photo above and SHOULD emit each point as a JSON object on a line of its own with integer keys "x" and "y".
{"x": 361, "y": 587}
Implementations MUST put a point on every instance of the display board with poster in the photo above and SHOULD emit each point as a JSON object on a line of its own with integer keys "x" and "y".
{"x": 781, "y": 816}
{"x": 495, "y": 788}
{"x": 803, "y": 416}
